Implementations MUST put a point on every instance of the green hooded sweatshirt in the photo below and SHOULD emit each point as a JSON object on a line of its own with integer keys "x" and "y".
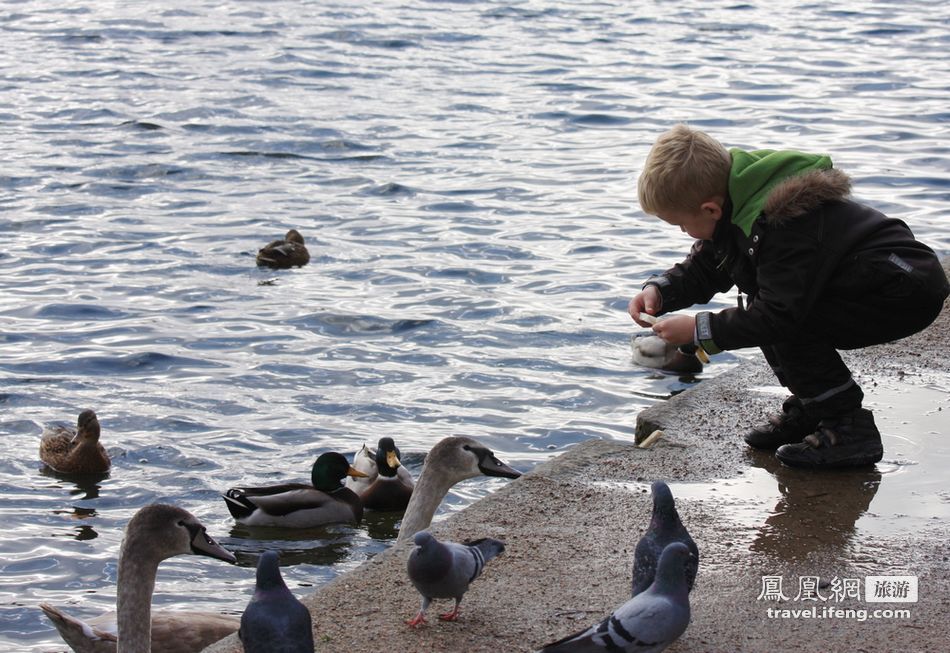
{"x": 754, "y": 174}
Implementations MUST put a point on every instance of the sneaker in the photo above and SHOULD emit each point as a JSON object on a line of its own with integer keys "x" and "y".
{"x": 787, "y": 427}
{"x": 851, "y": 440}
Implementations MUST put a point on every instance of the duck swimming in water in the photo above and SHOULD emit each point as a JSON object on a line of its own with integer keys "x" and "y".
{"x": 388, "y": 484}
{"x": 78, "y": 451}
{"x": 654, "y": 352}
{"x": 301, "y": 505}
{"x": 287, "y": 253}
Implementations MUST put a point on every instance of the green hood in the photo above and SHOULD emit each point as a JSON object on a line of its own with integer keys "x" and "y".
{"x": 754, "y": 174}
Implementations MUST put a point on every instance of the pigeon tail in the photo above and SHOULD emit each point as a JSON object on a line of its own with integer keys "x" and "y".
{"x": 483, "y": 550}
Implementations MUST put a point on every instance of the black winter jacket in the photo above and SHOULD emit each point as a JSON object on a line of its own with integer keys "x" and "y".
{"x": 810, "y": 242}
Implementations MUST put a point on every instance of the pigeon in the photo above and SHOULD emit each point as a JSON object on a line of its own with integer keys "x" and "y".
{"x": 444, "y": 570}
{"x": 274, "y": 620}
{"x": 647, "y": 623}
{"x": 665, "y": 527}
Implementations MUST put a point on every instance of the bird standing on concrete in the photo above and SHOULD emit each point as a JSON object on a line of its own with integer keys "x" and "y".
{"x": 444, "y": 570}
{"x": 647, "y": 623}
{"x": 274, "y": 620}
{"x": 665, "y": 528}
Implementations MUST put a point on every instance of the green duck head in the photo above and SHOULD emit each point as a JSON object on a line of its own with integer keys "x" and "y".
{"x": 329, "y": 470}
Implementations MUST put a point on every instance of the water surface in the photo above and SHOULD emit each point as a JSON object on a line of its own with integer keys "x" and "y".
{"x": 464, "y": 174}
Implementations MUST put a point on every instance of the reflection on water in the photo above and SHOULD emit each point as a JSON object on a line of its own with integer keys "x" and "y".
{"x": 87, "y": 485}
{"x": 321, "y": 546}
{"x": 85, "y": 532}
{"x": 814, "y": 510}
{"x": 383, "y": 526}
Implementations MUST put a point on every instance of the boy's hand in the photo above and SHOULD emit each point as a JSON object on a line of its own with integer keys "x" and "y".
{"x": 676, "y": 329}
{"x": 648, "y": 301}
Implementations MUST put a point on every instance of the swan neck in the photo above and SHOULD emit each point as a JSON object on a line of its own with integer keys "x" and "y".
{"x": 136, "y": 582}
{"x": 430, "y": 489}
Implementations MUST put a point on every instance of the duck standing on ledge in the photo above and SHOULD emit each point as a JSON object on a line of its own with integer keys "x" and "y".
{"x": 287, "y": 253}
{"x": 300, "y": 505}
{"x": 75, "y": 452}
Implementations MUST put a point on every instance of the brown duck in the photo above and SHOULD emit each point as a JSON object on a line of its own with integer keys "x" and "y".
{"x": 287, "y": 253}
{"x": 75, "y": 452}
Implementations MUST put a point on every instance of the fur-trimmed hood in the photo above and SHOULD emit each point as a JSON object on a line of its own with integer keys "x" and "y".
{"x": 805, "y": 192}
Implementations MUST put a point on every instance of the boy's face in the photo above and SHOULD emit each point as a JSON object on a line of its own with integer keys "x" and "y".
{"x": 699, "y": 224}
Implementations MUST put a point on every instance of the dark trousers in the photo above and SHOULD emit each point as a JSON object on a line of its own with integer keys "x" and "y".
{"x": 809, "y": 364}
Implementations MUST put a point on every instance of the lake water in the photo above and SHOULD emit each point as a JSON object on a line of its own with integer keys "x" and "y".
{"x": 464, "y": 174}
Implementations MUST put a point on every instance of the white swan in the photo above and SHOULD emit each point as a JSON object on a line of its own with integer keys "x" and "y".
{"x": 452, "y": 460}
{"x": 154, "y": 533}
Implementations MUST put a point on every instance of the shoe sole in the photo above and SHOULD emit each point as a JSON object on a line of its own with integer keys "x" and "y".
{"x": 863, "y": 460}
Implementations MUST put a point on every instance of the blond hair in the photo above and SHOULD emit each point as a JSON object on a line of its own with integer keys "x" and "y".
{"x": 685, "y": 168}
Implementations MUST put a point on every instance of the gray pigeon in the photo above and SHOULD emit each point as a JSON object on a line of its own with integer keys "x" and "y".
{"x": 444, "y": 570}
{"x": 274, "y": 620}
{"x": 665, "y": 527}
{"x": 647, "y": 623}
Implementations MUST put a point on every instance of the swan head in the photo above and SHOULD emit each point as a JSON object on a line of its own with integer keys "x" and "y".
{"x": 460, "y": 457}
{"x": 163, "y": 531}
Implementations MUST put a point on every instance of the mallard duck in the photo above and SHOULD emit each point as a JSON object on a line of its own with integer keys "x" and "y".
{"x": 364, "y": 461}
{"x": 287, "y": 253}
{"x": 300, "y": 505}
{"x": 387, "y": 485}
{"x": 452, "y": 460}
{"x": 77, "y": 451}
{"x": 654, "y": 352}
{"x": 155, "y": 533}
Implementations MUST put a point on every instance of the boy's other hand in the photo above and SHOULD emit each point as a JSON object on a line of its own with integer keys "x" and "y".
{"x": 647, "y": 301}
{"x": 676, "y": 329}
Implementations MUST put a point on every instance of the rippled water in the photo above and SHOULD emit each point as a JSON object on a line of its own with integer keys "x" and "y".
{"x": 464, "y": 174}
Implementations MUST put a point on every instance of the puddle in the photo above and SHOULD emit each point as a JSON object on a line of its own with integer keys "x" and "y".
{"x": 788, "y": 513}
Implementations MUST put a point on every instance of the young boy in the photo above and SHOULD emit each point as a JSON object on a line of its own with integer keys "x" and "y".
{"x": 820, "y": 272}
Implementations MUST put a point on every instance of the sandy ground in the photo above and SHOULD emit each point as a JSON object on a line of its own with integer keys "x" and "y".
{"x": 571, "y": 526}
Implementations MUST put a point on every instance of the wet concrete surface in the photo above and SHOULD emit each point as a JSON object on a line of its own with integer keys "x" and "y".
{"x": 571, "y": 526}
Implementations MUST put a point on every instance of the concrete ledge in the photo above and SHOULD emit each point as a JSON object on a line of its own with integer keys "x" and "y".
{"x": 571, "y": 526}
